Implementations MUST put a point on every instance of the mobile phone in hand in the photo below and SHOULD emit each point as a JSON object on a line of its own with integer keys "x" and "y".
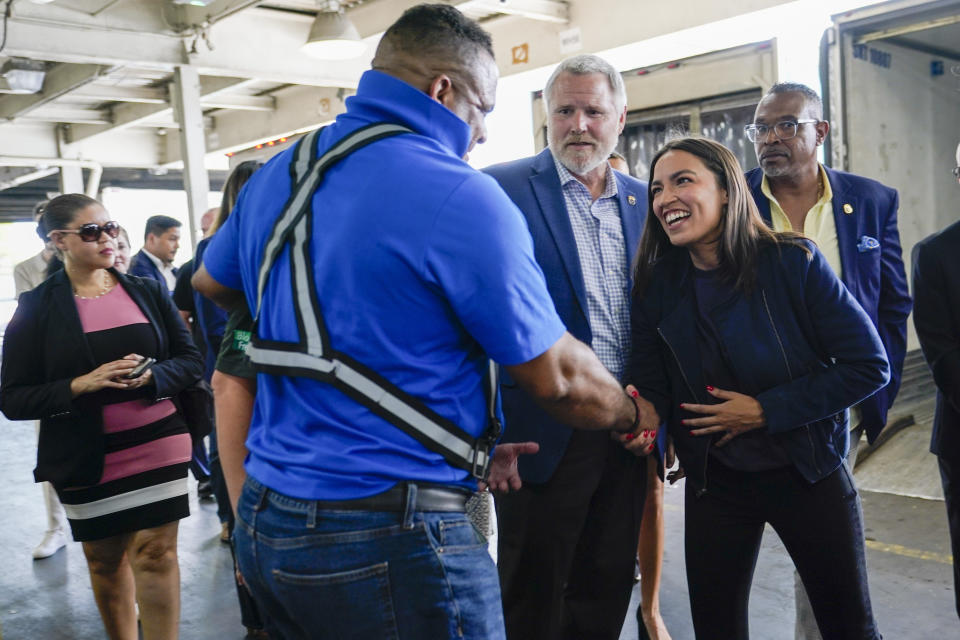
{"x": 144, "y": 364}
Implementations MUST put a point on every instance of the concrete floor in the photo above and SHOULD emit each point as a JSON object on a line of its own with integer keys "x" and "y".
{"x": 908, "y": 558}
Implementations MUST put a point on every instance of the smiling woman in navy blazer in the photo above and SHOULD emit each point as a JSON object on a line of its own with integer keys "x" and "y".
{"x": 751, "y": 349}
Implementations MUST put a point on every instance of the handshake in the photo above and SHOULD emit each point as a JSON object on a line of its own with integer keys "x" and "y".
{"x": 640, "y": 439}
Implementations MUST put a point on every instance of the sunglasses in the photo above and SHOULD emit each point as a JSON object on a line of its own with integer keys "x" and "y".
{"x": 91, "y": 231}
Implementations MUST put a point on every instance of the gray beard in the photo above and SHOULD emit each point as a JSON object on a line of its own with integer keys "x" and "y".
{"x": 584, "y": 167}
{"x": 774, "y": 171}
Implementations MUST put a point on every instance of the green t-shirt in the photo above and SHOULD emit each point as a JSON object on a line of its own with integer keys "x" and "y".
{"x": 233, "y": 358}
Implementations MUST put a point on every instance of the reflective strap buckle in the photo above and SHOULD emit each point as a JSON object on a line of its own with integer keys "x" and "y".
{"x": 480, "y": 470}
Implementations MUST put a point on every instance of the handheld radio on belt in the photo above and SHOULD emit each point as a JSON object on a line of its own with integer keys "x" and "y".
{"x": 314, "y": 356}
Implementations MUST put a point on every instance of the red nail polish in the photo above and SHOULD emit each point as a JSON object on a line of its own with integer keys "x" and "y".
{"x": 683, "y": 422}
{"x": 681, "y": 405}
{"x": 650, "y": 448}
{"x": 709, "y": 388}
{"x": 635, "y": 394}
{"x": 631, "y": 436}
{"x": 690, "y": 433}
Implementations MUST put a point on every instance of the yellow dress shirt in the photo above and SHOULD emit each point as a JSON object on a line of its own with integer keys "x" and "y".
{"x": 819, "y": 224}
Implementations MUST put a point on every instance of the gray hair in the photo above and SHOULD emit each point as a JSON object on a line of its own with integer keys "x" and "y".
{"x": 586, "y": 64}
{"x": 810, "y": 97}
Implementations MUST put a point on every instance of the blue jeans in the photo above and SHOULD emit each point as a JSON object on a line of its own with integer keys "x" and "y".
{"x": 366, "y": 574}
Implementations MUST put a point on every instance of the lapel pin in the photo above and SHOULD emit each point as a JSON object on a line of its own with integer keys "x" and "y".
{"x": 848, "y": 209}
{"x": 632, "y": 201}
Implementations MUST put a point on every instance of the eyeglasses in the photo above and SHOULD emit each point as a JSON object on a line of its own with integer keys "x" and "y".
{"x": 956, "y": 172}
{"x": 91, "y": 231}
{"x": 783, "y": 130}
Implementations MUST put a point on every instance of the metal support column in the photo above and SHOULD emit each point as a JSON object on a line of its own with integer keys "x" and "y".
{"x": 71, "y": 180}
{"x": 189, "y": 114}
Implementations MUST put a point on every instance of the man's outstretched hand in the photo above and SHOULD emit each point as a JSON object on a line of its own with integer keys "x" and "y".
{"x": 504, "y": 475}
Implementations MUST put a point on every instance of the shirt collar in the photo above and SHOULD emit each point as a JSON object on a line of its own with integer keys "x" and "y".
{"x": 824, "y": 199}
{"x": 610, "y": 183}
{"x": 382, "y": 98}
{"x": 157, "y": 261}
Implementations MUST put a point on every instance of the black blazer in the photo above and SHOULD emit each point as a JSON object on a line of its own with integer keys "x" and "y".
{"x": 45, "y": 348}
{"x": 936, "y": 315}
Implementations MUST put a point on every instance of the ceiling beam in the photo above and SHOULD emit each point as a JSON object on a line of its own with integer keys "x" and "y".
{"x": 240, "y": 103}
{"x": 106, "y": 93}
{"x": 129, "y": 115}
{"x": 298, "y": 109}
{"x": 158, "y": 95}
{"x": 24, "y": 176}
{"x": 61, "y": 79}
{"x": 251, "y": 44}
{"x": 55, "y": 113}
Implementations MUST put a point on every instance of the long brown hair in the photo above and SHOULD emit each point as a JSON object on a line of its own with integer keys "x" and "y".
{"x": 231, "y": 191}
{"x": 743, "y": 230}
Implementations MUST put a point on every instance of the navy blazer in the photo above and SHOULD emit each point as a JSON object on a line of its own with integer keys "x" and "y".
{"x": 798, "y": 343}
{"x": 936, "y": 290}
{"x": 45, "y": 348}
{"x": 142, "y": 266}
{"x": 534, "y": 186}
{"x": 865, "y": 213}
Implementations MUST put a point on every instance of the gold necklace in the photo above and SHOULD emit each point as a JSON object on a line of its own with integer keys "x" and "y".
{"x": 107, "y": 285}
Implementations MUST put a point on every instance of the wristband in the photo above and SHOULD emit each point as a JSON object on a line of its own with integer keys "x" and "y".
{"x": 636, "y": 417}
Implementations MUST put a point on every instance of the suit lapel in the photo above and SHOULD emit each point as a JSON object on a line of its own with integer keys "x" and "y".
{"x": 631, "y": 219}
{"x": 847, "y": 228}
{"x": 548, "y": 191}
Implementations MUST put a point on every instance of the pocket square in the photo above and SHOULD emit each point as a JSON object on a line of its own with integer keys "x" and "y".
{"x": 867, "y": 244}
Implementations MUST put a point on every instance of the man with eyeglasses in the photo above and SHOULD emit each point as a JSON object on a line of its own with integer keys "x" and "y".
{"x": 853, "y": 220}
{"x": 936, "y": 290}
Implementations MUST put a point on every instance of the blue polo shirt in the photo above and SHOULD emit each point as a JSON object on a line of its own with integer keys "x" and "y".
{"x": 423, "y": 267}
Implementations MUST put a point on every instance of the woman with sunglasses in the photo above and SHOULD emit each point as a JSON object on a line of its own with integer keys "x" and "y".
{"x": 751, "y": 350}
{"x": 111, "y": 441}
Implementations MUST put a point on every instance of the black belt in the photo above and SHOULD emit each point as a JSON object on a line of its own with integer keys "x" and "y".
{"x": 429, "y": 498}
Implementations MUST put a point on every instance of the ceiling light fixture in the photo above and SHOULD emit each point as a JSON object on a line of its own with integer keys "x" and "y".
{"x": 333, "y": 36}
{"x": 23, "y": 75}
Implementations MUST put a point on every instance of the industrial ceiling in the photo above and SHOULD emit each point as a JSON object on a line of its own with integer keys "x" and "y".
{"x": 108, "y": 94}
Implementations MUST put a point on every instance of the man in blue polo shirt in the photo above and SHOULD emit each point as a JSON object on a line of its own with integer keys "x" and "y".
{"x": 407, "y": 271}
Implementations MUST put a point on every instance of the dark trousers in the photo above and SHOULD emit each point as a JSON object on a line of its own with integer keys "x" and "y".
{"x": 820, "y": 524}
{"x": 567, "y": 547}
{"x": 950, "y": 479}
{"x": 224, "y": 510}
{"x": 200, "y": 462}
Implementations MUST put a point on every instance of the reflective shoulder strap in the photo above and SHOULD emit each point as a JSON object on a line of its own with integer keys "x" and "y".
{"x": 314, "y": 357}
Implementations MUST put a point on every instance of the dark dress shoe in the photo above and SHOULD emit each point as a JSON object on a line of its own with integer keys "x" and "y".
{"x": 205, "y": 490}
{"x": 641, "y": 627}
